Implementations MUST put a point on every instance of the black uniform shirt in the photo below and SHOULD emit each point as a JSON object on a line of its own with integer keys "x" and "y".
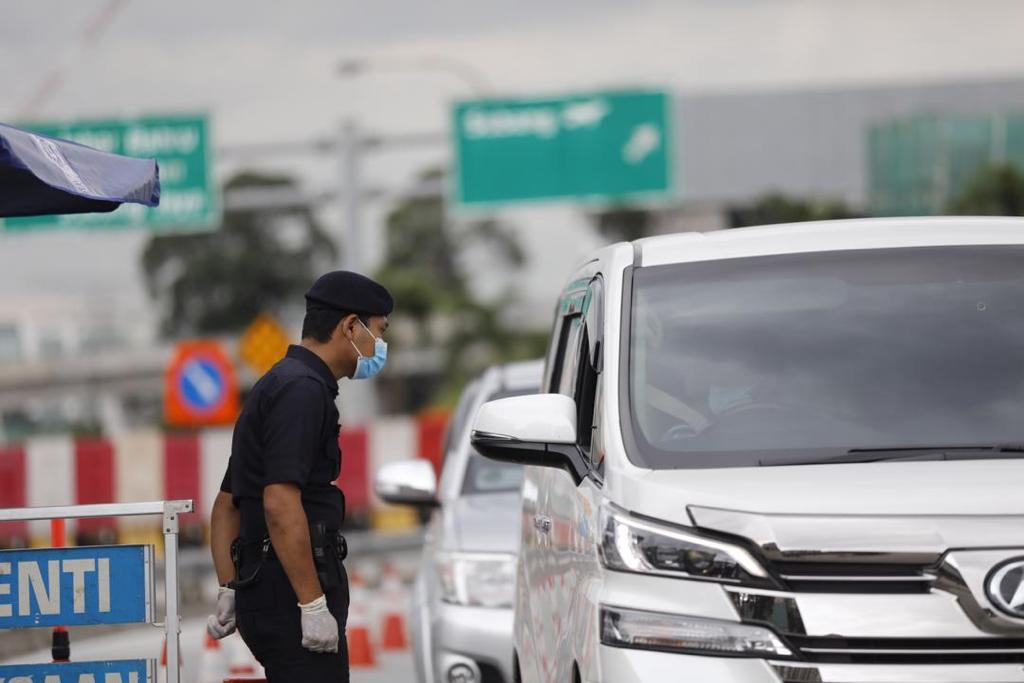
{"x": 288, "y": 432}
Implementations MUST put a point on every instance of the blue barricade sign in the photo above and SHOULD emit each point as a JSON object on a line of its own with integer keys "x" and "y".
{"x": 120, "y": 671}
{"x": 76, "y": 586}
{"x": 201, "y": 384}
{"x": 200, "y": 388}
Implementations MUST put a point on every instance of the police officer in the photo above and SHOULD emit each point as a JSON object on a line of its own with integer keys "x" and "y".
{"x": 274, "y": 525}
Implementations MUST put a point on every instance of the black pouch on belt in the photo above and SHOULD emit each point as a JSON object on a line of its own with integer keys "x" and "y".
{"x": 239, "y": 557}
{"x": 321, "y": 538}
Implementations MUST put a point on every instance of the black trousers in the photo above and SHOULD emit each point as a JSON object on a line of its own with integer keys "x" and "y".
{"x": 269, "y": 621}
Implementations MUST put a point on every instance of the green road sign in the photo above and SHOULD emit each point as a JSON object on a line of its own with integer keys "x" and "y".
{"x": 604, "y": 146}
{"x": 181, "y": 146}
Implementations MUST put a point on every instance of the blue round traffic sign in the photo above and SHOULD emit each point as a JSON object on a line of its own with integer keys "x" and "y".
{"x": 201, "y": 383}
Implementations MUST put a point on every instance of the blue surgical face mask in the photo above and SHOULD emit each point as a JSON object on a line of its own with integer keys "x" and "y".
{"x": 368, "y": 366}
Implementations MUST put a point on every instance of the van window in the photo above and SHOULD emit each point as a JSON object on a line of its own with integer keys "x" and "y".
{"x": 458, "y": 425}
{"x": 574, "y": 373}
{"x": 563, "y": 376}
{"x": 588, "y": 362}
{"x": 754, "y": 361}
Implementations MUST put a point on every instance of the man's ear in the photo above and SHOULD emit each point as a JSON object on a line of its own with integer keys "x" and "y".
{"x": 347, "y": 324}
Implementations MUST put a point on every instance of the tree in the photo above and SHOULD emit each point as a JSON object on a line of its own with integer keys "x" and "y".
{"x": 995, "y": 190}
{"x": 424, "y": 267}
{"x": 779, "y": 208}
{"x": 259, "y": 260}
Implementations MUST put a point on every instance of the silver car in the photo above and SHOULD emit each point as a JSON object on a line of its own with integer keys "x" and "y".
{"x": 461, "y": 613}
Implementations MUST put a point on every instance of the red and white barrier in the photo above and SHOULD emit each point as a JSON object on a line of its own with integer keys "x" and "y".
{"x": 50, "y": 477}
{"x": 215, "y": 449}
{"x": 12, "y": 489}
{"x": 150, "y": 465}
{"x": 94, "y": 483}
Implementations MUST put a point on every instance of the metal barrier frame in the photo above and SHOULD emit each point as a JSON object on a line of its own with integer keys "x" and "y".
{"x": 170, "y": 509}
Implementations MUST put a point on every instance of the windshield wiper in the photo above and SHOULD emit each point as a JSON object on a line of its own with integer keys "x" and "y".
{"x": 856, "y": 455}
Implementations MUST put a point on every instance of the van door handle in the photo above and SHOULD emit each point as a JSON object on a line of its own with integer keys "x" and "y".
{"x": 542, "y": 523}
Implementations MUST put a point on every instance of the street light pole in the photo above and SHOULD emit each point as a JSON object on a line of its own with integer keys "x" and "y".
{"x": 353, "y": 257}
{"x": 359, "y": 398}
{"x": 352, "y": 142}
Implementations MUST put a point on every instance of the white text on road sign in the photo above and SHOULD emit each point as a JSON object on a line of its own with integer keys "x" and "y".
{"x": 46, "y": 591}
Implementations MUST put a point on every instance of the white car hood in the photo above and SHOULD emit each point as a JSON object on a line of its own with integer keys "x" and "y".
{"x": 930, "y": 488}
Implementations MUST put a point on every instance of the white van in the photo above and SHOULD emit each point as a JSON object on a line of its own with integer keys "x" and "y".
{"x": 778, "y": 455}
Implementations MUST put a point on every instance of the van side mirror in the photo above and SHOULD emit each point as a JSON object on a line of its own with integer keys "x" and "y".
{"x": 407, "y": 482}
{"x": 539, "y": 429}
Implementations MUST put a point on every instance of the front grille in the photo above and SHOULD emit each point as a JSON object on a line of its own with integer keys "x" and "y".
{"x": 855, "y": 577}
{"x": 836, "y": 650}
{"x": 782, "y": 615}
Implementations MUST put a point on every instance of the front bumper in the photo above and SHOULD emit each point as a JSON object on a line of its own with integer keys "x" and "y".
{"x": 620, "y": 665}
{"x": 478, "y": 637}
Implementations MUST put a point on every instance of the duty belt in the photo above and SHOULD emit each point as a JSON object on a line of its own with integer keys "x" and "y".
{"x": 325, "y": 542}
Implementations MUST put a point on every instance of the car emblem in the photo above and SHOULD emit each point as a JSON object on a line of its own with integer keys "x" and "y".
{"x": 1005, "y": 587}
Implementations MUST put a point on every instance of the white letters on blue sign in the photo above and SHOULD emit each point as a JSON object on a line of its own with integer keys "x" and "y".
{"x": 46, "y": 591}
{"x": 73, "y": 587}
{"x": 30, "y": 576}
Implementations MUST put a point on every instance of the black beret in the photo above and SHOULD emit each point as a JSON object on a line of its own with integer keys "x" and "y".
{"x": 351, "y": 293}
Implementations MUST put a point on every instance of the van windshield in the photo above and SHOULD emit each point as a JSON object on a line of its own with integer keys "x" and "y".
{"x": 757, "y": 361}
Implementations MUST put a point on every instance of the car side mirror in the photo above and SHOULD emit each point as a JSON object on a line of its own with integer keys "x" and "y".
{"x": 407, "y": 482}
{"x": 539, "y": 429}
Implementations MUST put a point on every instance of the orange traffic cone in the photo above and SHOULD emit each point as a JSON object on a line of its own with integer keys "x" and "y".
{"x": 360, "y": 649}
{"x": 212, "y": 667}
{"x": 393, "y": 598}
{"x": 241, "y": 662}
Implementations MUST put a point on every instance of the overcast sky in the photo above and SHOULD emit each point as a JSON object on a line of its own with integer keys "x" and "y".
{"x": 265, "y": 71}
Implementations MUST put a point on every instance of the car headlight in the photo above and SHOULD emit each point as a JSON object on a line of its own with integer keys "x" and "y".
{"x": 478, "y": 579}
{"x": 695, "y": 635}
{"x": 629, "y": 544}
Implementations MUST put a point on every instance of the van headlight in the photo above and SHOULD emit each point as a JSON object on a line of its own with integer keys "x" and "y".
{"x": 629, "y": 544}
{"x": 695, "y": 635}
{"x": 477, "y": 579}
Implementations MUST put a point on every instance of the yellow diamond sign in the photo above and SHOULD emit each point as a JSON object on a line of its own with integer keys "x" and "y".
{"x": 264, "y": 343}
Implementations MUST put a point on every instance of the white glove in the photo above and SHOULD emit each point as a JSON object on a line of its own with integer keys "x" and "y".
{"x": 222, "y": 623}
{"x": 319, "y": 627}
